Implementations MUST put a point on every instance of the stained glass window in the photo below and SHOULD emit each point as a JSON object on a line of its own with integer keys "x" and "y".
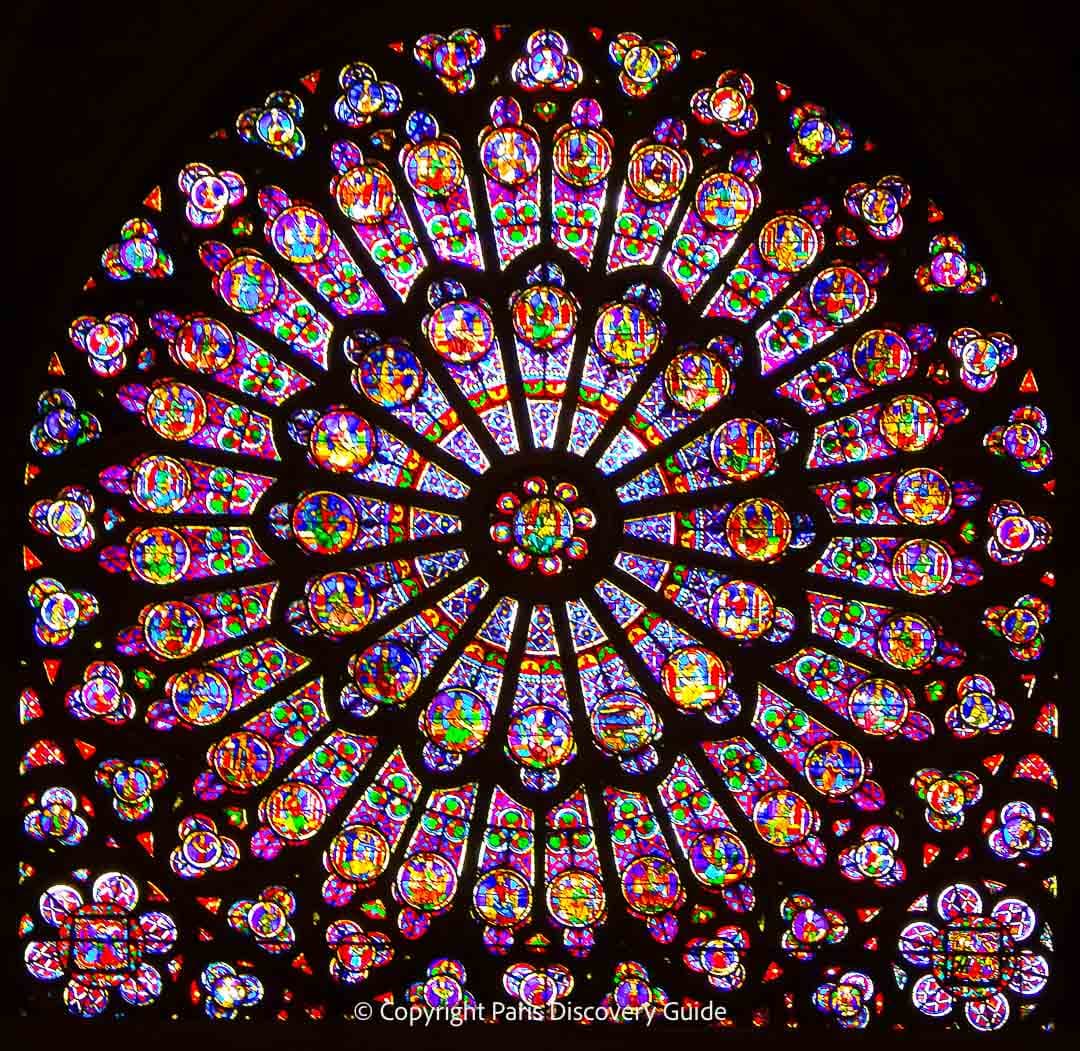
{"x": 540, "y": 525}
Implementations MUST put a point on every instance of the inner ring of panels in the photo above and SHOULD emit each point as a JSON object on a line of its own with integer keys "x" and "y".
{"x": 532, "y": 501}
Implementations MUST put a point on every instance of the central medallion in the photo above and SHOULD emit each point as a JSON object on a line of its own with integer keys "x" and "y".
{"x": 544, "y": 522}
{"x": 540, "y": 525}
{"x": 543, "y": 526}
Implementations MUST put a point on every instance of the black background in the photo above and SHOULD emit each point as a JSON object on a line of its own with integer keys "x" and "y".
{"x": 99, "y": 96}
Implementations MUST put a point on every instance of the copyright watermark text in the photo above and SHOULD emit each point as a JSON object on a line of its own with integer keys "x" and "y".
{"x": 424, "y": 1015}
